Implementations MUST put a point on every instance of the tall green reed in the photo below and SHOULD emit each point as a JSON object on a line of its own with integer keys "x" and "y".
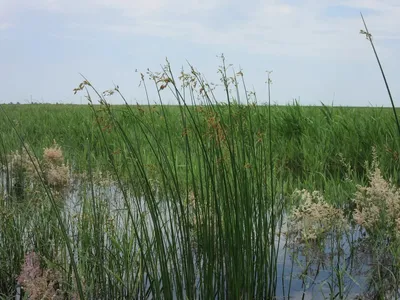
{"x": 368, "y": 36}
{"x": 212, "y": 218}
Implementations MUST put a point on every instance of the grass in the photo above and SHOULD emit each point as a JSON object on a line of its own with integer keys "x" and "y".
{"x": 186, "y": 201}
{"x": 308, "y": 144}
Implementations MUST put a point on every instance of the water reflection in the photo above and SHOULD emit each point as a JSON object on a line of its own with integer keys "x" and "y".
{"x": 344, "y": 266}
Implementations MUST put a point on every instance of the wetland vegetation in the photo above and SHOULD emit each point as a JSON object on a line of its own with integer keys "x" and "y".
{"x": 207, "y": 199}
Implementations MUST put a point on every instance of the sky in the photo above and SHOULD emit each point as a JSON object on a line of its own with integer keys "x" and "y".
{"x": 313, "y": 47}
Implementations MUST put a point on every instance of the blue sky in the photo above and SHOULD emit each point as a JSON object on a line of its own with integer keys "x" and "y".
{"x": 313, "y": 47}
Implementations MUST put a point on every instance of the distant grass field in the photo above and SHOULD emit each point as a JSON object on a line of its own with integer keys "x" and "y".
{"x": 309, "y": 144}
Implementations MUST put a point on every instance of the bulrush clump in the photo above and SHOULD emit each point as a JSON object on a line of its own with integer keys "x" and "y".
{"x": 314, "y": 219}
{"x": 378, "y": 205}
{"x": 39, "y": 283}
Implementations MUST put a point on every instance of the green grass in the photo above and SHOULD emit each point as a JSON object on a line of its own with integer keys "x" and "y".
{"x": 307, "y": 140}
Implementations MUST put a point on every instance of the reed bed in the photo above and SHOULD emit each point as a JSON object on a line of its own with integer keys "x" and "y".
{"x": 192, "y": 201}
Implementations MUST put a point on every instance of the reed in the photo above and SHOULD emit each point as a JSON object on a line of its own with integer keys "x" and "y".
{"x": 188, "y": 201}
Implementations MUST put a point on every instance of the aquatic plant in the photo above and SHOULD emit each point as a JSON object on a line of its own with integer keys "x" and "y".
{"x": 23, "y": 168}
{"x": 197, "y": 215}
{"x": 56, "y": 171}
{"x": 378, "y": 204}
{"x": 314, "y": 218}
{"x": 39, "y": 283}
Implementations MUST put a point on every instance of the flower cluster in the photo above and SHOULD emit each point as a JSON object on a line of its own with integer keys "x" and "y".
{"x": 20, "y": 162}
{"x": 37, "y": 282}
{"x": 24, "y": 166}
{"x": 56, "y": 172}
{"x": 314, "y": 218}
{"x": 378, "y": 205}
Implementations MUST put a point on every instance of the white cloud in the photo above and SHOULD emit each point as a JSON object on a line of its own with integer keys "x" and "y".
{"x": 125, "y": 7}
{"x": 158, "y": 7}
{"x": 271, "y": 27}
{"x": 275, "y": 27}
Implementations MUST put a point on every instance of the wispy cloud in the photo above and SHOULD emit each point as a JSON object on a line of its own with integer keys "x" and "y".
{"x": 282, "y": 27}
{"x": 296, "y": 28}
{"x": 324, "y": 33}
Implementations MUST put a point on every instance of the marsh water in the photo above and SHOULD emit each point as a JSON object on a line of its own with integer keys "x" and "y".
{"x": 340, "y": 268}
